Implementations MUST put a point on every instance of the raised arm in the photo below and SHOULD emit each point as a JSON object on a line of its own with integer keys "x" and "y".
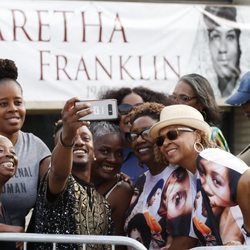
{"x": 62, "y": 155}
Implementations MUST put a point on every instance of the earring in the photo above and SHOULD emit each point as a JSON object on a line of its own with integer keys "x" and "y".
{"x": 94, "y": 158}
{"x": 198, "y": 147}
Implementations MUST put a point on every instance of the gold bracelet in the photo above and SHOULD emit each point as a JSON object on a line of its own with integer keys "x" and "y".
{"x": 63, "y": 144}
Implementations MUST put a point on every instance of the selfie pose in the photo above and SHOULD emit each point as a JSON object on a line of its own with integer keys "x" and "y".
{"x": 67, "y": 203}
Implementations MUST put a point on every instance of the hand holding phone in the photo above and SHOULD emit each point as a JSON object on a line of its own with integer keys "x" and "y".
{"x": 105, "y": 109}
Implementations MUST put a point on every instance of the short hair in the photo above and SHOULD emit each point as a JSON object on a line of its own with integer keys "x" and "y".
{"x": 101, "y": 128}
{"x": 8, "y": 70}
{"x": 205, "y": 96}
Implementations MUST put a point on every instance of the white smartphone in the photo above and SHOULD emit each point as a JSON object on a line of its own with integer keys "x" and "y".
{"x": 105, "y": 109}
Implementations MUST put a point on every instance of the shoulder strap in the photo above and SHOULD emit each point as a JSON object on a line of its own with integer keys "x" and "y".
{"x": 214, "y": 224}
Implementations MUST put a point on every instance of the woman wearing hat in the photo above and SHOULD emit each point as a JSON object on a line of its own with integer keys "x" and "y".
{"x": 181, "y": 134}
{"x": 196, "y": 91}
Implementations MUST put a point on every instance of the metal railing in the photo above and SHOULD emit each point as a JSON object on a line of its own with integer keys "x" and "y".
{"x": 235, "y": 247}
{"x": 81, "y": 239}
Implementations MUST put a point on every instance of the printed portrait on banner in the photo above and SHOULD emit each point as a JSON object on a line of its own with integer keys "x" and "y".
{"x": 221, "y": 47}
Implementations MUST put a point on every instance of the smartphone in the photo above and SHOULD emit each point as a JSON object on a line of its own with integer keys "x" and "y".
{"x": 105, "y": 109}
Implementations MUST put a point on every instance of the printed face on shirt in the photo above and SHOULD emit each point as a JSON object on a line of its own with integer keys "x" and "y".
{"x": 109, "y": 155}
{"x": 12, "y": 110}
{"x": 154, "y": 197}
{"x": 215, "y": 182}
{"x": 8, "y": 159}
{"x": 223, "y": 44}
{"x": 176, "y": 197}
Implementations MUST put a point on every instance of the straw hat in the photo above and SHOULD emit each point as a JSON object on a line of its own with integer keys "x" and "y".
{"x": 180, "y": 114}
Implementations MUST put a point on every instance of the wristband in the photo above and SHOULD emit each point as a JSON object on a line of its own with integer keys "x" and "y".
{"x": 63, "y": 144}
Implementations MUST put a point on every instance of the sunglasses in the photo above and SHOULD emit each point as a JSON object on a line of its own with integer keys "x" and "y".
{"x": 125, "y": 108}
{"x": 171, "y": 135}
{"x": 144, "y": 135}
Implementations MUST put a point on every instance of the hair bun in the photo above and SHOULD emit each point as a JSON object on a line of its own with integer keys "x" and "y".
{"x": 8, "y": 69}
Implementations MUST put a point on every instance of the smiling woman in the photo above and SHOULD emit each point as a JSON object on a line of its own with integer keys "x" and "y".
{"x": 32, "y": 153}
{"x": 148, "y": 188}
{"x": 8, "y": 166}
{"x": 108, "y": 148}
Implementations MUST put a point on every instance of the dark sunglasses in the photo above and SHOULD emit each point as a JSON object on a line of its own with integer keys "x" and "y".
{"x": 144, "y": 135}
{"x": 171, "y": 135}
{"x": 125, "y": 108}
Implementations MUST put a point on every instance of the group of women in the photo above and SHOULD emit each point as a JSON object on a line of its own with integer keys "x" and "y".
{"x": 187, "y": 189}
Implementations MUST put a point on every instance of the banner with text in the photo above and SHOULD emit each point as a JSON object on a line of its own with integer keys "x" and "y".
{"x": 65, "y": 48}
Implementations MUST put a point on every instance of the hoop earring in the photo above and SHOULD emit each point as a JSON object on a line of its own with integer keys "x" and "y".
{"x": 198, "y": 147}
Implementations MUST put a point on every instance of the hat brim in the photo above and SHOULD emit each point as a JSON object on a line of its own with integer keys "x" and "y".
{"x": 187, "y": 122}
{"x": 238, "y": 98}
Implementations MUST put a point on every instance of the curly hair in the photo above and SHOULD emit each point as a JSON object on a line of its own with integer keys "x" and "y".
{"x": 8, "y": 70}
{"x": 146, "y": 94}
{"x": 205, "y": 96}
{"x": 151, "y": 109}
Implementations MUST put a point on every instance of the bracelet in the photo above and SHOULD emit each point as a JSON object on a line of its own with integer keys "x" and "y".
{"x": 63, "y": 144}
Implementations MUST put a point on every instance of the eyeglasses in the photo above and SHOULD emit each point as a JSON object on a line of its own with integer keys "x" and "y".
{"x": 182, "y": 98}
{"x": 144, "y": 135}
{"x": 125, "y": 108}
{"x": 171, "y": 135}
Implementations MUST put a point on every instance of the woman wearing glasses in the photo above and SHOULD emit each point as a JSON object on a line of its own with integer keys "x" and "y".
{"x": 181, "y": 134}
{"x": 127, "y": 100}
{"x": 148, "y": 188}
{"x": 195, "y": 90}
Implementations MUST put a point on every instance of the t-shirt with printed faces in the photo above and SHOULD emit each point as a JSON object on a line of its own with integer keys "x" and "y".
{"x": 161, "y": 206}
{"x": 217, "y": 179}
